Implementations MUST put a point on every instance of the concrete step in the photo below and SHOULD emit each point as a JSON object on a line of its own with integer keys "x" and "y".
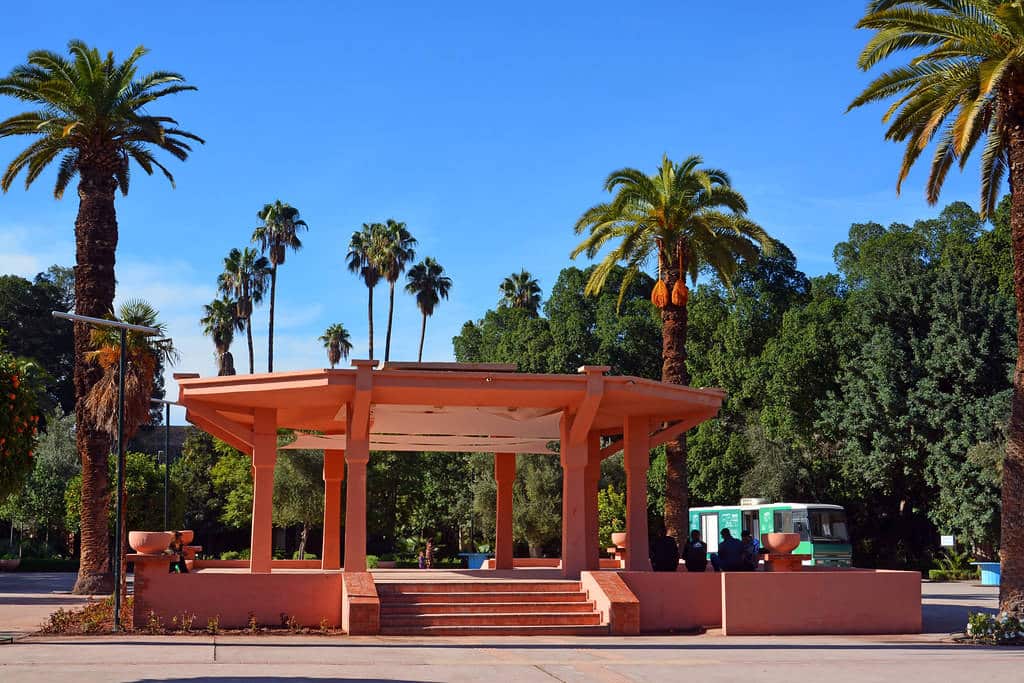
{"x": 494, "y": 619}
{"x": 478, "y": 587}
{"x": 558, "y": 630}
{"x": 389, "y": 608}
{"x": 471, "y": 597}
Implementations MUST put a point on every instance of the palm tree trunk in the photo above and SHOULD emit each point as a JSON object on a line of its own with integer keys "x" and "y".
{"x": 270, "y": 333}
{"x": 369, "y": 309}
{"x": 673, "y": 370}
{"x": 248, "y": 336}
{"x": 95, "y": 248}
{"x": 1011, "y": 591}
{"x": 423, "y": 334}
{"x": 391, "y": 313}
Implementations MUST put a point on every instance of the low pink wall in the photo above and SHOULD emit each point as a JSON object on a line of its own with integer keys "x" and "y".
{"x": 619, "y": 608}
{"x": 232, "y": 596}
{"x": 676, "y": 601}
{"x": 821, "y": 603}
{"x": 244, "y": 564}
{"x": 529, "y": 562}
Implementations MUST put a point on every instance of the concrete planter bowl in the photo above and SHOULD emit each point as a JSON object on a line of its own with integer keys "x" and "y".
{"x": 150, "y": 542}
{"x": 187, "y": 535}
{"x": 9, "y": 565}
{"x": 619, "y": 539}
{"x": 781, "y": 543}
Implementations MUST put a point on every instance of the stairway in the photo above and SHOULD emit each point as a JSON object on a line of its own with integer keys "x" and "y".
{"x": 454, "y": 608}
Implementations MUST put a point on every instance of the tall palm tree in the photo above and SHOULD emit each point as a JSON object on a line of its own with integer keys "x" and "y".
{"x": 687, "y": 218}
{"x": 336, "y": 341}
{"x": 277, "y": 233}
{"x": 396, "y": 251}
{"x": 964, "y": 83}
{"x": 363, "y": 259}
{"x": 220, "y": 320}
{"x": 427, "y": 281}
{"x": 144, "y": 355}
{"x": 245, "y": 277}
{"x": 94, "y": 115}
{"x": 521, "y": 290}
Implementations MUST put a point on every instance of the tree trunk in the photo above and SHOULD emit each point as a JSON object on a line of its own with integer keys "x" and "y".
{"x": 391, "y": 313}
{"x": 248, "y": 335}
{"x": 302, "y": 541}
{"x": 95, "y": 247}
{"x": 423, "y": 335}
{"x": 270, "y": 333}
{"x": 369, "y": 308}
{"x": 1011, "y": 591}
{"x": 673, "y": 370}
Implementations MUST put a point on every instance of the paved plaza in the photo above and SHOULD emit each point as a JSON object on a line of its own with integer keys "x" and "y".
{"x": 26, "y": 598}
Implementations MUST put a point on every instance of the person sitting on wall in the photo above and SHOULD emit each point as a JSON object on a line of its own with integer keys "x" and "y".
{"x": 749, "y": 556}
{"x": 730, "y": 553}
{"x": 177, "y": 550}
{"x": 695, "y": 553}
{"x": 664, "y": 554}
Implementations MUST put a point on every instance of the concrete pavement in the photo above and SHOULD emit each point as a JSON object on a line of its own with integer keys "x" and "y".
{"x": 25, "y": 599}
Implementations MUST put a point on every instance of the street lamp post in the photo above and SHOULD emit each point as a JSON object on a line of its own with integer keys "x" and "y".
{"x": 123, "y": 329}
{"x": 167, "y": 455}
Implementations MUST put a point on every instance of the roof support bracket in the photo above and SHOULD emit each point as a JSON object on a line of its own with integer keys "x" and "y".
{"x": 587, "y": 411}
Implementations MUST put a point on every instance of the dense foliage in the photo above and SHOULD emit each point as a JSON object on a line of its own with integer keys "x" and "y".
{"x": 19, "y": 418}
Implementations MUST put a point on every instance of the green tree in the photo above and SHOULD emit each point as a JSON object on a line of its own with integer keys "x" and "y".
{"x": 245, "y": 278}
{"x": 396, "y": 251}
{"x": 363, "y": 259}
{"x": 964, "y": 84}
{"x": 428, "y": 283}
{"x": 611, "y": 514}
{"x": 25, "y": 309}
{"x": 299, "y": 492}
{"x": 232, "y": 484}
{"x": 688, "y": 218}
{"x": 521, "y": 290}
{"x": 278, "y": 232}
{"x": 94, "y": 114}
{"x": 220, "y": 320}
{"x": 19, "y": 418}
{"x": 337, "y": 342}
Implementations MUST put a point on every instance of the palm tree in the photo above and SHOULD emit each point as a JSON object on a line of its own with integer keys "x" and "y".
{"x": 277, "y": 234}
{"x": 220, "y": 320}
{"x": 687, "y": 218}
{"x": 427, "y": 281}
{"x": 94, "y": 115}
{"x": 245, "y": 277}
{"x": 144, "y": 355}
{"x": 520, "y": 290}
{"x": 397, "y": 250}
{"x": 336, "y": 341}
{"x": 964, "y": 83}
{"x": 363, "y": 260}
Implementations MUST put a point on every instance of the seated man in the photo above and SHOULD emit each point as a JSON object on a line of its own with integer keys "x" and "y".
{"x": 665, "y": 554}
{"x": 695, "y": 553}
{"x": 177, "y": 552}
{"x": 730, "y": 553}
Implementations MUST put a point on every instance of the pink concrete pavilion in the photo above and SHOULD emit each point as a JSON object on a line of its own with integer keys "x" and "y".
{"x": 449, "y": 407}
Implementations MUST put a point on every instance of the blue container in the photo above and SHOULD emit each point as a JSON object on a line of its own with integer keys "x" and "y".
{"x": 475, "y": 560}
{"x": 989, "y": 573}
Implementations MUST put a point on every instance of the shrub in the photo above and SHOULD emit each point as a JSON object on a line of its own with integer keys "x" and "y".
{"x": 954, "y": 566}
{"x": 235, "y": 554}
{"x": 372, "y": 561}
{"x": 995, "y": 630}
{"x": 18, "y": 421}
{"x": 308, "y": 556}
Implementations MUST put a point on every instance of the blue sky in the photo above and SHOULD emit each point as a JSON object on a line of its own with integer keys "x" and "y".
{"x": 487, "y": 128}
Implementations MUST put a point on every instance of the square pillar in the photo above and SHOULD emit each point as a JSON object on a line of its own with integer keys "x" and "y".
{"x": 592, "y": 475}
{"x": 574, "y": 502}
{"x": 637, "y": 450}
{"x": 504, "y": 477}
{"x": 264, "y": 457}
{"x": 334, "y": 472}
{"x": 357, "y": 455}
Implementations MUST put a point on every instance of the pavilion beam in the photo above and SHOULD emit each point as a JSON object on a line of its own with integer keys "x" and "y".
{"x": 587, "y": 411}
{"x": 334, "y": 473}
{"x": 211, "y": 416}
{"x": 504, "y": 478}
{"x": 211, "y": 428}
{"x": 663, "y": 436}
{"x": 637, "y": 460}
{"x": 264, "y": 457}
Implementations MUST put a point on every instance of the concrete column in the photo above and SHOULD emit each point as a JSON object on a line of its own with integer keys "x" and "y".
{"x": 637, "y": 451}
{"x": 334, "y": 472}
{"x": 504, "y": 477}
{"x": 357, "y": 455}
{"x": 264, "y": 457}
{"x": 574, "y": 502}
{"x": 592, "y": 474}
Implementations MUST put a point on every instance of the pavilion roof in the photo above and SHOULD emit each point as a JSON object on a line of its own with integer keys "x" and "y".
{"x": 440, "y": 407}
